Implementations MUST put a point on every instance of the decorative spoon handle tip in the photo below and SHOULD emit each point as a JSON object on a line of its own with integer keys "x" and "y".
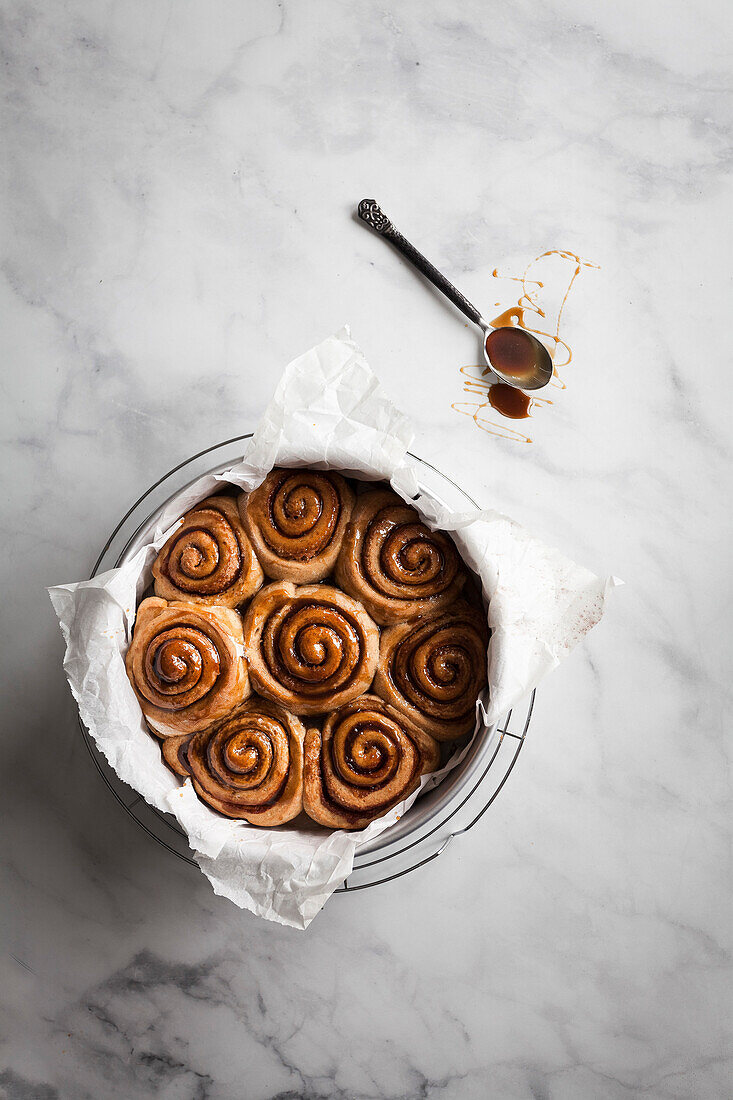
{"x": 370, "y": 212}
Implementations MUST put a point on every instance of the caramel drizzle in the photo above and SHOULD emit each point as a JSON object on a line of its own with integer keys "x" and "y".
{"x": 477, "y": 386}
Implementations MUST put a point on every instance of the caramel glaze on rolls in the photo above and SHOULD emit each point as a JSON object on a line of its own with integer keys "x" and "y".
{"x": 296, "y": 520}
{"x": 186, "y": 664}
{"x": 251, "y": 765}
{"x": 209, "y": 558}
{"x": 367, "y": 758}
{"x": 433, "y": 671}
{"x": 311, "y": 648}
{"x": 395, "y": 565}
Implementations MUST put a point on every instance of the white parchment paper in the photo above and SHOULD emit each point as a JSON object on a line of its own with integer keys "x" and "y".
{"x": 328, "y": 411}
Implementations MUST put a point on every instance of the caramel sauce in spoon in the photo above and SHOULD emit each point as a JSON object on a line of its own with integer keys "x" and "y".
{"x": 527, "y": 315}
{"x": 512, "y": 352}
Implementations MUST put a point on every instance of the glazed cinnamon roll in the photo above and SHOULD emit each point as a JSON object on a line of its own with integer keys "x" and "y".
{"x": 209, "y": 558}
{"x": 367, "y": 758}
{"x": 174, "y": 751}
{"x": 296, "y": 520}
{"x": 434, "y": 671}
{"x": 394, "y": 564}
{"x": 251, "y": 765}
{"x": 186, "y": 664}
{"x": 311, "y": 648}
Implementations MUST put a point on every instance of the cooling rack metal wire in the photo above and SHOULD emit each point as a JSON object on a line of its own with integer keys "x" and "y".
{"x": 164, "y": 829}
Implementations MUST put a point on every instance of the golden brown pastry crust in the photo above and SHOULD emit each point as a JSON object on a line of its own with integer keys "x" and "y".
{"x": 296, "y": 520}
{"x": 367, "y": 758}
{"x": 186, "y": 664}
{"x": 434, "y": 670}
{"x": 251, "y": 765}
{"x": 311, "y": 648}
{"x": 175, "y": 753}
{"x": 395, "y": 565}
{"x": 209, "y": 558}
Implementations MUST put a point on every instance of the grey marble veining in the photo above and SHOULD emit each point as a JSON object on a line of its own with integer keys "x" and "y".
{"x": 178, "y": 190}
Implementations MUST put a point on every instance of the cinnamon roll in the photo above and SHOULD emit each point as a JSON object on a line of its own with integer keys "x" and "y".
{"x": 367, "y": 758}
{"x": 296, "y": 520}
{"x": 434, "y": 671}
{"x": 186, "y": 664}
{"x": 174, "y": 751}
{"x": 394, "y": 564}
{"x": 209, "y": 558}
{"x": 251, "y": 765}
{"x": 311, "y": 648}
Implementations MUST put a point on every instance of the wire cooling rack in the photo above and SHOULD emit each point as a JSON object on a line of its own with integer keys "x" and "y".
{"x": 388, "y": 860}
{"x": 397, "y": 860}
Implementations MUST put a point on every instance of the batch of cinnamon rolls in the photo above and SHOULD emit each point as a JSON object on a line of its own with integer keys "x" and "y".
{"x": 308, "y": 647}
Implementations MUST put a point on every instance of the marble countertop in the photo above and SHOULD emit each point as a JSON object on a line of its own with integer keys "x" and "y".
{"x": 178, "y": 206}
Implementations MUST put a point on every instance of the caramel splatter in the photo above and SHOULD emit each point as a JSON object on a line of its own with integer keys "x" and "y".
{"x": 529, "y": 315}
{"x": 479, "y": 387}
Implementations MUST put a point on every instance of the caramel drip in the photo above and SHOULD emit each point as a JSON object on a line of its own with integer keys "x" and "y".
{"x": 528, "y": 303}
{"x": 509, "y": 401}
{"x": 529, "y": 315}
{"x": 478, "y": 386}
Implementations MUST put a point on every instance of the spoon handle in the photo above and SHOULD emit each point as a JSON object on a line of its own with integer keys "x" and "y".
{"x": 370, "y": 212}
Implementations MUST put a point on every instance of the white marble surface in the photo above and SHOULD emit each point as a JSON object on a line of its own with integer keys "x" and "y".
{"x": 179, "y": 182}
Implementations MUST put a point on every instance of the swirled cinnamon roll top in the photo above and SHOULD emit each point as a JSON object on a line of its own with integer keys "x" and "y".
{"x": 394, "y": 564}
{"x": 310, "y": 648}
{"x": 186, "y": 664}
{"x": 434, "y": 670}
{"x": 209, "y": 558}
{"x": 251, "y": 765}
{"x": 296, "y": 520}
{"x": 367, "y": 758}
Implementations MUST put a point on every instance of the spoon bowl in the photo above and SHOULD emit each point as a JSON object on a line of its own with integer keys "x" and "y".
{"x": 515, "y": 356}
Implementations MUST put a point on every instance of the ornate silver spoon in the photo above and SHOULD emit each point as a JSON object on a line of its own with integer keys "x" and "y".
{"x": 516, "y": 356}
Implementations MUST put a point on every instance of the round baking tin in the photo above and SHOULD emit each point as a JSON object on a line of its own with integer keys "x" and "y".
{"x": 446, "y": 811}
